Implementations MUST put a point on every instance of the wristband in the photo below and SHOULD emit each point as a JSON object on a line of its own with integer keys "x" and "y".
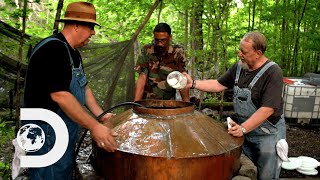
{"x": 193, "y": 84}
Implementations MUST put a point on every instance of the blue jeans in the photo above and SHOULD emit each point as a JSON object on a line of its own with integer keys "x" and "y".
{"x": 260, "y": 148}
{"x": 64, "y": 167}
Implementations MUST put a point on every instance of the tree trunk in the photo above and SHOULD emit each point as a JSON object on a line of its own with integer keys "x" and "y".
{"x": 275, "y": 38}
{"x": 197, "y": 23}
{"x": 18, "y": 95}
{"x": 196, "y": 31}
{"x": 58, "y": 15}
{"x": 249, "y": 16}
{"x": 186, "y": 30}
{"x": 146, "y": 19}
{"x": 196, "y": 35}
{"x": 296, "y": 44}
{"x": 283, "y": 41}
{"x": 253, "y": 13}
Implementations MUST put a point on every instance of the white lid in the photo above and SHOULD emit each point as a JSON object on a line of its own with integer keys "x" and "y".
{"x": 292, "y": 164}
{"x": 309, "y": 161}
{"x": 309, "y": 172}
{"x": 306, "y": 168}
{"x": 308, "y": 165}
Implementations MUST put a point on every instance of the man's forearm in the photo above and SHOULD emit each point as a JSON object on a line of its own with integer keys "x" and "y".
{"x": 139, "y": 89}
{"x": 260, "y": 116}
{"x": 138, "y": 93}
{"x": 210, "y": 85}
{"x": 72, "y": 108}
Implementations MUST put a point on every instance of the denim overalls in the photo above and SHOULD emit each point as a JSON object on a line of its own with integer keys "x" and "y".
{"x": 64, "y": 167}
{"x": 260, "y": 144}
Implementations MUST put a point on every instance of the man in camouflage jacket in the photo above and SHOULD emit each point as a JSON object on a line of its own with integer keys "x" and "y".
{"x": 156, "y": 61}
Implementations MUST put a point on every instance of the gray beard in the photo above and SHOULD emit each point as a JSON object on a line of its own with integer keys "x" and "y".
{"x": 244, "y": 65}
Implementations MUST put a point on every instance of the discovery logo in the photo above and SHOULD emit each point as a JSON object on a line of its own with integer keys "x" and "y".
{"x": 31, "y": 137}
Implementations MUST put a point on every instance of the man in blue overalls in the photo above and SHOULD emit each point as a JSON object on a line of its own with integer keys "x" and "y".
{"x": 56, "y": 81}
{"x": 258, "y": 105}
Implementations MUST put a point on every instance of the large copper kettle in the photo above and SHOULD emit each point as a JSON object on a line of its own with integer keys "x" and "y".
{"x": 169, "y": 140}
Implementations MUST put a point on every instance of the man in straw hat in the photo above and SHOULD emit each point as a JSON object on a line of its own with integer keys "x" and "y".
{"x": 56, "y": 81}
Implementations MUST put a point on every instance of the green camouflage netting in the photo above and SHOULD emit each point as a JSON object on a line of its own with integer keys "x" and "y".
{"x": 109, "y": 67}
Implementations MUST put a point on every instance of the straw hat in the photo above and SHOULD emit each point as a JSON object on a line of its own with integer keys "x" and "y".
{"x": 80, "y": 11}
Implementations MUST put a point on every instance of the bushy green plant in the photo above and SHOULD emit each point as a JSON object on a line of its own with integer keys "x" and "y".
{"x": 7, "y": 133}
{"x": 5, "y": 170}
{"x": 211, "y": 98}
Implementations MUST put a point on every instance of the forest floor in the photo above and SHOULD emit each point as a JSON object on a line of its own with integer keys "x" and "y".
{"x": 302, "y": 141}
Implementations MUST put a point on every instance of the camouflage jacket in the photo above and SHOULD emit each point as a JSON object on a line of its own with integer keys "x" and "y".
{"x": 157, "y": 68}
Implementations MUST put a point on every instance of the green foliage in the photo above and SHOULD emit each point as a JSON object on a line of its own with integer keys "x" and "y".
{"x": 6, "y": 128}
{"x": 7, "y": 133}
{"x": 211, "y": 98}
{"x": 5, "y": 170}
{"x": 223, "y": 23}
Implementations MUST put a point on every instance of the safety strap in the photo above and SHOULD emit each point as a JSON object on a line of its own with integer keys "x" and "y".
{"x": 47, "y": 40}
{"x": 260, "y": 73}
{"x": 255, "y": 79}
{"x": 237, "y": 74}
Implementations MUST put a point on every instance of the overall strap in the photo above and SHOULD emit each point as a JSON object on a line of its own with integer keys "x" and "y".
{"x": 237, "y": 74}
{"x": 260, "y": 73}
{"x": 47, "y": 40}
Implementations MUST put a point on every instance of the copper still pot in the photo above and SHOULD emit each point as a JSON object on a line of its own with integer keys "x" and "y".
{"x": 168, "y": 140}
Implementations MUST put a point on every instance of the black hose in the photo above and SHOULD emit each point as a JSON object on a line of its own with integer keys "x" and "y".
{"x": 100, "y": 116}
{"x": 116, "y": 106}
